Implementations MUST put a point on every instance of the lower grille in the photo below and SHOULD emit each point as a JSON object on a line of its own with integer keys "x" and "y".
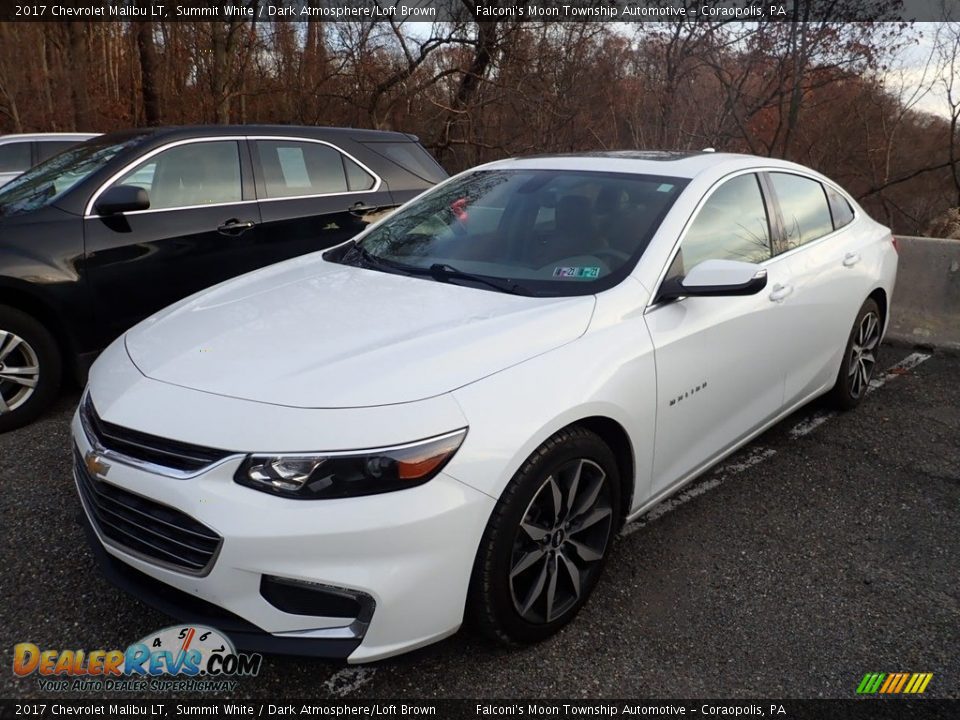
{"x": 146, "y": 528}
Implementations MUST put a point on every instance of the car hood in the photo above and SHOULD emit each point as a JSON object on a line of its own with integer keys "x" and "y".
{"x": 309, "y": 333}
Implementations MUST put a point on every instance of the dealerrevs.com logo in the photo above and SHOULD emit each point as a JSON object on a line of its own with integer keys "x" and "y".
{"x": 178, "y": 658}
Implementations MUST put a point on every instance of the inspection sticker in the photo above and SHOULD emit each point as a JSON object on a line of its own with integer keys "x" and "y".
{"x": 587, "y": 273}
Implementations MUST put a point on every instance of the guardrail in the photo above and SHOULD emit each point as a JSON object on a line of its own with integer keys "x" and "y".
{"x": 926, "y": 300}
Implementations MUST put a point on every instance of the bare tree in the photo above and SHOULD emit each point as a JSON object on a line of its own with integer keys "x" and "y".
{"x": 78, "y": 32}
{"x": 148, "y": 72}
{"x": 949, "y": 52}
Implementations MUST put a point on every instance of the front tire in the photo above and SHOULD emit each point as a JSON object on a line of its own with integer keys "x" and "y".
{"x": 859, "y": 358}
{"x": 30, "y": 368}
{"x": 547, "y": 538}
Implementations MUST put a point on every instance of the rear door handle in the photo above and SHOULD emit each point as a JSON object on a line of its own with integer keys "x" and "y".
{"x": 851, "y": 259}
{"x": 780, "y": 292}
{"x": 361, "y": 207}
{"x": 233, "y": 226}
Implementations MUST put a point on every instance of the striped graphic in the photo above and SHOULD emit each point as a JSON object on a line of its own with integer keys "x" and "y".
{"x": 899, "y": 683}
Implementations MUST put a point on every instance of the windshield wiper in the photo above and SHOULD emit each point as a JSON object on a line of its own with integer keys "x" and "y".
{"x": 369, "y": 259}
{"x": 443, "y": 272}
{"x": 438, "y": 271}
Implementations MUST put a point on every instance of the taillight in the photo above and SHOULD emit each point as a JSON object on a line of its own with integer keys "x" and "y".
{"x": 893, "y": 239}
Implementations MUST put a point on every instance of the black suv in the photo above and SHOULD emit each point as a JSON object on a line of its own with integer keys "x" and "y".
{"x": 101, "y": 236}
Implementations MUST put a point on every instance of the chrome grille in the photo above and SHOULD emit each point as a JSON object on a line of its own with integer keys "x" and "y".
{"x": 146, "y": 448}
{"x": 145, "y": 528}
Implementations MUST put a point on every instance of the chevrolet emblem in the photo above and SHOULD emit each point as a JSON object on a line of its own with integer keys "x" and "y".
{"x": 95, "y": 465}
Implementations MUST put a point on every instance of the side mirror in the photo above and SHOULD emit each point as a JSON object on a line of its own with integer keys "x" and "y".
{"x": 715, "y": 278}
{"x": 121, "y": 199}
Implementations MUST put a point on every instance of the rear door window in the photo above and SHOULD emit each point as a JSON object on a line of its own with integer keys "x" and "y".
{"x": 293, "y": 169}
{"x": 803, "y": 203}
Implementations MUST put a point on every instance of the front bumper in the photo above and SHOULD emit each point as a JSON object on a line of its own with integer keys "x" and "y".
{"x": 190, "y": 609}
{"x": 410, "y": 551}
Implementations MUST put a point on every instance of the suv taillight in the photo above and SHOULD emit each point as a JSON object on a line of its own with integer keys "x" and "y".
{"x": 893, "y": 239}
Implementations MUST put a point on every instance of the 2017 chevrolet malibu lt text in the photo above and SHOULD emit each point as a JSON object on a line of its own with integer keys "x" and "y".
{"x": 451, "y": 415}
{"x": 99, "y": 237}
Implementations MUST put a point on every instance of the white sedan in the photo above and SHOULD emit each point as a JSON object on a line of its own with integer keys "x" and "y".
{"x": 451, "y": 416}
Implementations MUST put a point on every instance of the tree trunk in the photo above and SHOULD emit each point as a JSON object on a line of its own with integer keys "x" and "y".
{"x": 80, "y": 68}
{"x": 52, "y": 117}
{"x": 148, "y": 73}
{"x": 485, "y": 48}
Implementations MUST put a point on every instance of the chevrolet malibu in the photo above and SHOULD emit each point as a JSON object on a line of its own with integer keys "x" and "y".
{"x": 451, "y": 415}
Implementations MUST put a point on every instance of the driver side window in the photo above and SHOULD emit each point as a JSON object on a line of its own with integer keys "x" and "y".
{"x": 201, "y": 173}
{"x": 731, "y": 225}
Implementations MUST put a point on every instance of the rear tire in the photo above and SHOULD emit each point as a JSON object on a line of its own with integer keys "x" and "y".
{"x": 546, "y": 541}
{"x": 30, "y": 368}
{"x": 859, "y": 358}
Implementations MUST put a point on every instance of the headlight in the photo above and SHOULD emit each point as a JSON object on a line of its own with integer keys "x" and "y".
{"x": 349, "y": 474}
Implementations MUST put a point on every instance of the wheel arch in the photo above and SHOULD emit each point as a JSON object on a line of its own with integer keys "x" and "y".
{"x": 27, "y": 302}
{"x": 879, "y": 296}
{"x": 618, "y": 440}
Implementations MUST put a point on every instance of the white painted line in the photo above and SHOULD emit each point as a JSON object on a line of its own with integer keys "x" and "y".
{"x": 751, "y": 456}
{"x": 672, "y": 503}
{"x": 901, "y": 368}
{"x": 754, "y": 455}
{"x": 809, "y": 424}
{"x": 346, "y": 681}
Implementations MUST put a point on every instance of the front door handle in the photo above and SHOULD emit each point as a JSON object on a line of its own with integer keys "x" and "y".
{"x": 233, "y": 226}
{"x": 359, "y": 207}
{"x": 780, "y": 292}
{"x": 851, "y": 259}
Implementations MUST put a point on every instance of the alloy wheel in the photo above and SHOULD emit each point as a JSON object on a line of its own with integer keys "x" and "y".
{"x": 863, "y": 356}
{"x": 561, "y": 539}
{"x": 19, "y": 371}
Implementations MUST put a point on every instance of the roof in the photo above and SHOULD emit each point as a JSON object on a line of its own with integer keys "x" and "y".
{"x": 191, "y": 131}
{"x": 48, "y": 136}
{"x": 663, "y": 163}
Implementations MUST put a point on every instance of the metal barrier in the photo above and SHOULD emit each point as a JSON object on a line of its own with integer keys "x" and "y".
{"x": 926, "y": 300}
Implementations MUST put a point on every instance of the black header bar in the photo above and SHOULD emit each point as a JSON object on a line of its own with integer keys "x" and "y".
{"x": 860, "y": 709}
{"x": 618, "y": 11}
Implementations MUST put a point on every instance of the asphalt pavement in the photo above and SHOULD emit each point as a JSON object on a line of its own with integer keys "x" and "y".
{"x": 827, "y": 548}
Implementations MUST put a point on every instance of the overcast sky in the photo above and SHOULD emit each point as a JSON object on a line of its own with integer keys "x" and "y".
{"x": 917, "y": 76}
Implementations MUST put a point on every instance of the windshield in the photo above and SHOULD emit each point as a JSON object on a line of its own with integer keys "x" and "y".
{"x": 41, "y": 185}
{"x": 539, "y": 232}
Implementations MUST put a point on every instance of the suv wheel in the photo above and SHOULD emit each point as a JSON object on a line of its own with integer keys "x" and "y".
{"x": 30, "y": 368}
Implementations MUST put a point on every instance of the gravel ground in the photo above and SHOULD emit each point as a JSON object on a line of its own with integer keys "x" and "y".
{"x": 826, "y": 549}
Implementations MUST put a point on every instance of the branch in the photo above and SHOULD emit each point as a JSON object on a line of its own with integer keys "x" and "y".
{"x": 874, "y": 190}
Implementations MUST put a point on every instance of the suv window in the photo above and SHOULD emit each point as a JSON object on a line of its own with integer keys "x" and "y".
{"x": 201, "y": 173}
{"x": 49, "y": 148}
{"x": 839, "y": 208}
{"x": 43, "y": 184}
{"x": 806, "y": 215}
{"x": 731, "y": 225}
{"x": 411, "y": 157}
{"x": 292, "y": 168}
{"x": 14, "y": 156}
